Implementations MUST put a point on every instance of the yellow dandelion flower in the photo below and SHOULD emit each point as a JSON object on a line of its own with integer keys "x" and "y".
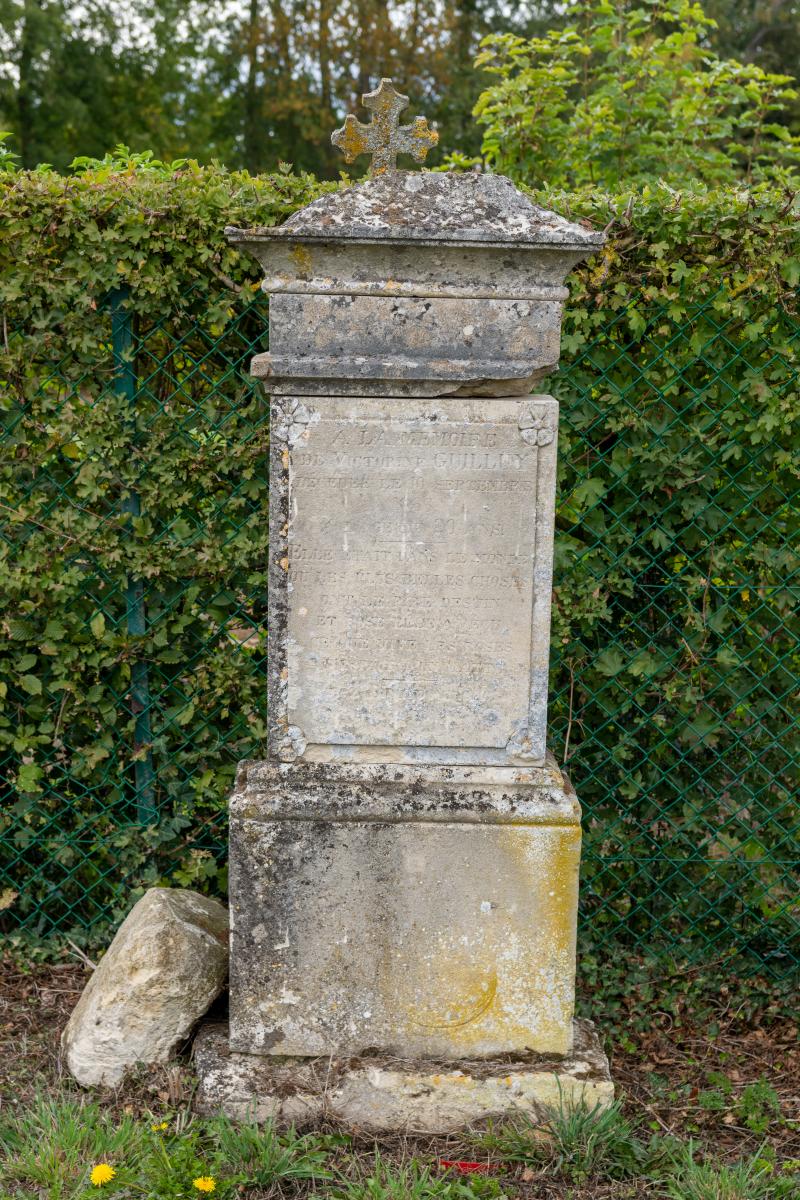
{"x": 162, "y": 1125}
{"x": 102, "y": 1173}
{"x": 204, "y": 1183}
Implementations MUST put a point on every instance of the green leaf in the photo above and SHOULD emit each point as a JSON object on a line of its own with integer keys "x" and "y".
{"x": 610, "y": 662}
{"x": 28, "y": 777}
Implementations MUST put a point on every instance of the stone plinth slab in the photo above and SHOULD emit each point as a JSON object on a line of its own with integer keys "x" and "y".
{"x": 379, "y": 1093}
{"x": 419, "y": 918}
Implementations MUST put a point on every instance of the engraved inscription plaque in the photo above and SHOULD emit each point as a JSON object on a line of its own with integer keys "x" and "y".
{"x": 412, "y": 570}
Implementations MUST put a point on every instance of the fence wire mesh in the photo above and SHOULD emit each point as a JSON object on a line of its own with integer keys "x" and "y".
{"x": 138, "y": 675}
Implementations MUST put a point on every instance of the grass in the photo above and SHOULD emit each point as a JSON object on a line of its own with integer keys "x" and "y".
{"x": 264, "y": 1157}
{"x": 49, "y": 1151}
{"x": 580, "y": 1143}
{"x": 50, "y": 1147}
{"x": 386, "y": 1180}
{"x": 753, "y": 1179}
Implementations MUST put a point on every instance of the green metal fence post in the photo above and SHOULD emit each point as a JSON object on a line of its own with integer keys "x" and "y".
{"x": 126, "y": 386}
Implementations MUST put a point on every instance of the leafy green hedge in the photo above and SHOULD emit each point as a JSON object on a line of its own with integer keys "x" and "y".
{"x": 676, "y": 634}
{"x": 674, "y": 652}
{"x": 190, "y": 455}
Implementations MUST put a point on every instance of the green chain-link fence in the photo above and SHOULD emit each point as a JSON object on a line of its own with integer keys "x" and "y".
{"x": 140, "y": 673}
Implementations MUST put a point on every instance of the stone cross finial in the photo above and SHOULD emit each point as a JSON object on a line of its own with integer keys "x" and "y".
{"x": 384, "y": 137}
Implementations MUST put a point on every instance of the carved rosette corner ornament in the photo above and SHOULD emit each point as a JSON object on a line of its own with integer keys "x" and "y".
{"x": 536, "y": 428}
{"x": 292, "y": 422}
{"x": 520, "y": 745}
{"x": 292, "y": 745}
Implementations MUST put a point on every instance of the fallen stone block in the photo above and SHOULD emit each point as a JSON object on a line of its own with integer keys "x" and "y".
{"x": 167, "y": 963}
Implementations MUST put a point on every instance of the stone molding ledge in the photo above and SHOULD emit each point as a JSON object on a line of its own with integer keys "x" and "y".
{"x": 266, "y": 791}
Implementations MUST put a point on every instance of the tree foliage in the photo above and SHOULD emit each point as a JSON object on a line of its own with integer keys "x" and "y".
{"x": 766, "y": 32}
{"x": 630, "y": 93}
{"x": 262, "y": 81}
{"x": 77, "y": 78}
{"x": 268, "y": 83}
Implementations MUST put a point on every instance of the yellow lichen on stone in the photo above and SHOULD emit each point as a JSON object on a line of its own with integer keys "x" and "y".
{"x": 472, "y": 999}
{"x": 301, "y": 255}
{"x": 506, "y": 977}
{"x": 352, "y": 139}
{"x": 425, "y": 137}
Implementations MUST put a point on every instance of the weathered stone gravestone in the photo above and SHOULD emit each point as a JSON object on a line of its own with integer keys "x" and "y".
{"x": 404, "y": 866}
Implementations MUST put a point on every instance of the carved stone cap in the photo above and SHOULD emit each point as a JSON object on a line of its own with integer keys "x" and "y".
{"x": 415, "y": 207}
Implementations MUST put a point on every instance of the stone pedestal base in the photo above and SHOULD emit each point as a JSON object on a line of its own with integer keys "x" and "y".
{"x": 381, "y": 1093}
{"x": 422, "y": 912}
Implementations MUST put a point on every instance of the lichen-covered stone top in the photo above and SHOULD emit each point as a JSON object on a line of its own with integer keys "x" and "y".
{"x": 414, "y": 206}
